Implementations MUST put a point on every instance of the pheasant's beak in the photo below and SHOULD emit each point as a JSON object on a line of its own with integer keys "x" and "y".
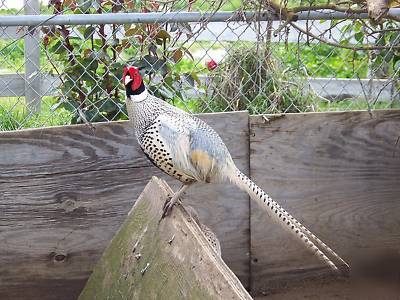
{"x": 127, "y": 79}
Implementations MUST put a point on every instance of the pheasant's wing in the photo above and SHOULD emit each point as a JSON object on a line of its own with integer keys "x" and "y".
{"x": 185, "y": 145}
{"x": 167, "y": 145}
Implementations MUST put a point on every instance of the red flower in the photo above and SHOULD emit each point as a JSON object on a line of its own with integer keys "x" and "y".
{"x": 211, "y": 65}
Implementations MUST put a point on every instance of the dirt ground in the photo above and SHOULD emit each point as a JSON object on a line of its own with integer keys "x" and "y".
{"x": 339, "y": 290}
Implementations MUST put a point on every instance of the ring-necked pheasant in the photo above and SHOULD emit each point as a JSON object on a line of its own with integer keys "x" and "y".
{"x": 189, "y": 150}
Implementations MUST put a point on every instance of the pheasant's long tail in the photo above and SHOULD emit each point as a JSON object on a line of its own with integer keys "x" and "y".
{"x": 281, "y": 216}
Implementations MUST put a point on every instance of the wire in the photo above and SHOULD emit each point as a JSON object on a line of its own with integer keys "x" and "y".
{"x": 33, "y": 28}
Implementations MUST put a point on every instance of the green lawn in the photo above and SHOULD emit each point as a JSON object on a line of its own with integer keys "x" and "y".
{"x": 14, "y": 115}
{"x": 355, "y": 104}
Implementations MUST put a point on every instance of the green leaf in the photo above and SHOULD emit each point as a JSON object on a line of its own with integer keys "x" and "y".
{"x": 346, "y": 28}
{"x": 188, "y": 78}
{"x": 159, "y": 41}
{"x": 82, "y": 29}
{"x": 397, "y": 66}
{"x": 163, "y": 34}
{"x": 89, "y": 32}
{"x": 74, "y": 119}
{"x": 95, "y": 89}
{"x": 195, "y": 77}
{"x": 84, "y": 5}
{"x": 388, "y": 56}
{"x": 133, "y": 31}
{"x": 109, "y": 106}
{"x": 357, "y": 25}
{"x": 380, "y": 41}
{"x": 154, "y": 64}
{"x": 359, "y": 36}
{"x": 68, "y": 104}
{"x": 89, "y": 76}
{"x": 90, "y": 115}
{"x": 168, "y": 81}
{"x": 58, "y": 48}
{"x": 87, "y": 53}
{"x": 344, "y": 41}
{"x": 103, "y": 55}
{"x": 394, "y": 38}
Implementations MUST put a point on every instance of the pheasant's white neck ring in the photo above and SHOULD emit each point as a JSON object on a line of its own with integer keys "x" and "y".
{"x": 140, "y": 97}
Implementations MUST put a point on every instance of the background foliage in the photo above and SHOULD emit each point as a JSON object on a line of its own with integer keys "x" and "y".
{"x": 263, "y": 77}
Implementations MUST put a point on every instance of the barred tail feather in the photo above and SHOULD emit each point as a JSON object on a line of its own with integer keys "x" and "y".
{"x": 286, "y": 220}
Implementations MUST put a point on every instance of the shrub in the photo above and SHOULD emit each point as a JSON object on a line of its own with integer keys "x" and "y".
{"x": 253, "y": 79}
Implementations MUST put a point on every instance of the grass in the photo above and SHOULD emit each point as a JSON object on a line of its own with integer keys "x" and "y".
{"x": 354, "y": 104}
{"x": 323, "y": 60}
{"x": 14, "y": 115}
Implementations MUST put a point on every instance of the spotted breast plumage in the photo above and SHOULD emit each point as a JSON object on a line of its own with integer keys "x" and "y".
{"x": 189, "y": 150}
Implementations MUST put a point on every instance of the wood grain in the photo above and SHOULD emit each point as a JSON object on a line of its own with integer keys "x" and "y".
{"x": 339, "y": 174}
{"x": 64, "y": 192}
{"x": 180, "y": 262}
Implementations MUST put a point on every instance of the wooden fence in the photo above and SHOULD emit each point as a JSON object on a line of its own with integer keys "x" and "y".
{"x": 64, "y": 191}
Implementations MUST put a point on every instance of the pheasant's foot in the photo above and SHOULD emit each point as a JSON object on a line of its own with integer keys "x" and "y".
{"x": 172, "y": 201}
{"x": 168, "y": 205}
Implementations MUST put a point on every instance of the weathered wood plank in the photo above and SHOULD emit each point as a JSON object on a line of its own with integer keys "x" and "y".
{"x": 338, "y": 173}
{"x": 64, "y": 191}
{"x": 354, "y": 289}
{"x": 167, "y": 259}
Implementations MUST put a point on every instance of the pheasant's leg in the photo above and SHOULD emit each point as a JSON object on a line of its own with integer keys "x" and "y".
{"x": 169, "y": 204}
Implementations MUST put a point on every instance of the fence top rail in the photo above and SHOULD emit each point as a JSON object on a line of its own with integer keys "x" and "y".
{"x": 177, "y": 17}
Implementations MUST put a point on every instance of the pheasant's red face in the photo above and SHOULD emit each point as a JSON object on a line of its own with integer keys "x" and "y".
{"x": 132, "y": 77}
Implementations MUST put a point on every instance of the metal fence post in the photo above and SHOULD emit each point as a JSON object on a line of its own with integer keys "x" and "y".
{"x": 32, "y": 60}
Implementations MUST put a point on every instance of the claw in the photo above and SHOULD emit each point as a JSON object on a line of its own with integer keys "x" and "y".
{"x": 168, "y": 205}
{"x": 171, "y": 201}
{"x": 167, "y": 208}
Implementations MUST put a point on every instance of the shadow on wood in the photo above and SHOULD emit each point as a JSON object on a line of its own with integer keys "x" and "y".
{"x": 171, "y": 259}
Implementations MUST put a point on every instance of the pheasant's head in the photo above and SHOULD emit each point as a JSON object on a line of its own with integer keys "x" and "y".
{"x": 133, "y": 82}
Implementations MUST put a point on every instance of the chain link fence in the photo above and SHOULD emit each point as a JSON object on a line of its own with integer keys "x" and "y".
{"x": 64, "y": 65}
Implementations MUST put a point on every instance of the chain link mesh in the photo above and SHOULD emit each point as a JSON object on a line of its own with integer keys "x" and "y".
{"x": 59, "y": 74}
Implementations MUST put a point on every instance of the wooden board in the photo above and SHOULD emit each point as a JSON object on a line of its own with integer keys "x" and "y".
{"x": 150, "y": 258}
{"x": 339, "y": 174}
{"x": 351, "y": 289}
{"x": 64, "y": 192}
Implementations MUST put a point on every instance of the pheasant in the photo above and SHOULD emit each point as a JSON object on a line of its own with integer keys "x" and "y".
{"x": 189, "y": 150}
